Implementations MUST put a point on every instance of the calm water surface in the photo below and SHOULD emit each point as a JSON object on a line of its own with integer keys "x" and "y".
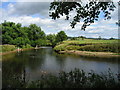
{"x": 33, "y": 63}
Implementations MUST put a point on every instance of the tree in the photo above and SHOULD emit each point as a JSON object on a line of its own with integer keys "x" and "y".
{"x": 88, "y": 13}
{"x": 35, "y": 32}
{"x": 20, "y": 41}
{"x": 6, "y": 39}
{"x": 112, "y": 38}
{"x": 61, "y": 36}
{"x": 99, "y": 38}
{"x": 40, "y": 42}
{"x": 82, "y": 37}
{"x": 13, "y": 33}
{"x": 51, "y": 38}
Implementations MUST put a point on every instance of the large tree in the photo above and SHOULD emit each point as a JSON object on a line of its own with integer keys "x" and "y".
{"x": 61, "y": 36}
{"x": 51, "y": 38}
{"x": 88, "y": 13}
{"x": 35, "y": 32}
{"x": 13, "y": 33}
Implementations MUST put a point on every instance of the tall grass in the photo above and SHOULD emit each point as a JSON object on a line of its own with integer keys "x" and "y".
{"x": 6, "y": 48}
{"x": 110, "y": 47}
{"x": 90, "y": 45}
{"x": 77, "y": 79}
{"x": 73, "y": 79}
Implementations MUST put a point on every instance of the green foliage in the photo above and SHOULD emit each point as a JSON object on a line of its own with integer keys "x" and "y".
{"x": 21, "y": 36}
{"x": 20, "y": 41}
{"x": 112, "y": 38}
{"x": 51, "y": 38}
{"x": 88, "y": 13}
{"x": 35, "y": 32}
{"x": 6, "y": 48}
{"x": 33, "y": 35}
{"x": 40, "y": 42}
{"x": 6, "y": 39}
{"x": 61, "y": 36}
{"x": 26, "y": 46}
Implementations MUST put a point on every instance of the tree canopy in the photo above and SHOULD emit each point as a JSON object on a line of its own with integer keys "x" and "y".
{"x": 32, "y": 35}
{"x": 15, "y": 34}
{"x": 88, "y": 13}
{"x": 61, "y": 36}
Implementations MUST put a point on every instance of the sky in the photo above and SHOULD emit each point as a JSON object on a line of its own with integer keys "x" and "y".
{"x": 36, "y": 12}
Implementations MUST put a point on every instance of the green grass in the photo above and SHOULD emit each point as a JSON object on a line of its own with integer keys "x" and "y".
{"x": 6, "y": 48}
{"x": 89, "y": 45}
{"x": 86, "y": 41}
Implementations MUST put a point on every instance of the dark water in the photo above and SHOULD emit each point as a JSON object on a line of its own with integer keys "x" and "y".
{"x": 33, "y": 63}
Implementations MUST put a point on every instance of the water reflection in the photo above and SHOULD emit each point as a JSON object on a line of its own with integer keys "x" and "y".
{"x": 29, "y": 65}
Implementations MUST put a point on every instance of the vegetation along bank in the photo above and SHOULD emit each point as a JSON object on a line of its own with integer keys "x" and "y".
{"x": 90, "y": 47}
{"x": 16, "y": 36}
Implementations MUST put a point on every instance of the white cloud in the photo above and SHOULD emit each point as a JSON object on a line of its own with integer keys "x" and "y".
{"x": 22, "y": 13}
{"x": 34, "y": 0}
{"x": 4, "y": 0}
{"x": 29, "y": 8}
{"x": 27, "y": 0}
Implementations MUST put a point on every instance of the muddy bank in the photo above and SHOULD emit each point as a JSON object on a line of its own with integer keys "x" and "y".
{"x": 91, "y": 54}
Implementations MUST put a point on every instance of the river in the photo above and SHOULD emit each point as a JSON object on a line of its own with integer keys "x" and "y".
{"x": 33, "y": 63}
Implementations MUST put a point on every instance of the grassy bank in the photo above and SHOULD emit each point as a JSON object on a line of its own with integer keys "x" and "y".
{"x": 73, "y": 79}
{"x": 89, "y": 45}
{"x": 6, "y": 49}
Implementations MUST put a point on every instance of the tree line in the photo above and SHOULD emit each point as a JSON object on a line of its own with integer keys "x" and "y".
{"x": 32, "y": 35}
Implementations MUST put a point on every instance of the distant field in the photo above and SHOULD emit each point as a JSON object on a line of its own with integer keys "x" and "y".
{"x": 90, "y": 41}
{"x": 89, "y": 45}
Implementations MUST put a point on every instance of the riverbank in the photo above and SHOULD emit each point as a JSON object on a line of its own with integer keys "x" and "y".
{"x": 5, "y": 53}
{"x": 90, "y": 47}
{"x": 91, "y": 54}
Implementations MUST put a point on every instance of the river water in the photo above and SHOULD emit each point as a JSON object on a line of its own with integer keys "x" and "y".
{"x": 33, "y": 63}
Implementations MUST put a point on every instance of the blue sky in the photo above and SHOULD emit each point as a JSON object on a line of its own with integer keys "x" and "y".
{"x": 38, "y": 13}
